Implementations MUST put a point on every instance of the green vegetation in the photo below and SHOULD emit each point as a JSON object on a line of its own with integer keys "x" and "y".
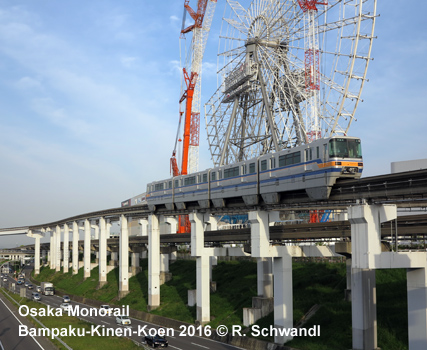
{"x": 319, "y": 284}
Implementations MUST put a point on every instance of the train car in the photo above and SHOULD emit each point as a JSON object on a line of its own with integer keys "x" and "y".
{"x": 161, "y": 193}
{"x": 313, "y": 167}
{"x": 235, "y": 180}
{"x": 192, "y": 188}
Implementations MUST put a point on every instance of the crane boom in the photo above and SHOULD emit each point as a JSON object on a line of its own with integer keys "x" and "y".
{"x": 192, "y": 92}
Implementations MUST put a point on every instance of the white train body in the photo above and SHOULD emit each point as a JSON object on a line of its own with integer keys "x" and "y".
{"x": 314, "y": 168}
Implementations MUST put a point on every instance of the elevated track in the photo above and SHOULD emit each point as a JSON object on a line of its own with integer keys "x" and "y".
{"x": 406, "y": 190}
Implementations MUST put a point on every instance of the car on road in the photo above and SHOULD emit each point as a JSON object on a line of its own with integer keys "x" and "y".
{"x": 107, "y": 308}
{"x": 123, "y": 320}
{"x": 20, "y": 282}
{"x": 30, "y": 286}
{"x": 5, "y": 279}
{"x": 156, "y": 341}
{"x": 66, "y": 299}
{"x": 26, "y": 284}
{"x": 39, "y": 289}
{"x": 65, "y": 306}
{"x": 36, "y": 296}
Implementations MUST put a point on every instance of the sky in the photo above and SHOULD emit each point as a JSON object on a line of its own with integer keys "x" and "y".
{"x": 89, "y": 96}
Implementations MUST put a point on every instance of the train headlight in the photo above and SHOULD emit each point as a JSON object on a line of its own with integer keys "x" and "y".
{"x": 349, "y": 170}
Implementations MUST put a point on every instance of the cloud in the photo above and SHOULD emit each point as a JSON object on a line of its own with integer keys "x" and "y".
{"x": 128, "y": 61}
{"x": 175, "y": 67}
{"x": 47, "y": 108}
{"x": 28, "y": 83}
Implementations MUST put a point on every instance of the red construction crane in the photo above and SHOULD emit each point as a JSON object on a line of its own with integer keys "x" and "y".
{"x": 191, "y": 94}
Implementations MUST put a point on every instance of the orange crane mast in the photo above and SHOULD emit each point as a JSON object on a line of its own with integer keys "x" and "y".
{"x": 192, "y": 114}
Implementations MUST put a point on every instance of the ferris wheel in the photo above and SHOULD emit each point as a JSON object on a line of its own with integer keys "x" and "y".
{"x": 289, "y": 72}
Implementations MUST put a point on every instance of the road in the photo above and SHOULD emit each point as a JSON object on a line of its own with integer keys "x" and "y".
{"x": 176, "y": 341}
{"x": 10, "y": 320}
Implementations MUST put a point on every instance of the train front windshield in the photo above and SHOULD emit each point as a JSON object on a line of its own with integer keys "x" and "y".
{"x": 345, "y": 148}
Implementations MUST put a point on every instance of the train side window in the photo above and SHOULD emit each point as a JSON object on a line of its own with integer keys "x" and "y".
{"x": 296, "y": 157}
{"x": 213, "y": 176}
{"x": 272, "y": 163}
{"x": 282, "y": 160}
{"x": 205, "y": 177}
{"x": 220, "y": 175}
{"x": 317, "y": 152}
{"x": 191, "y": 180}
{"x": 176, "y": 183}
{"x": 325, "y": 150}
{"x": 264, "y": 165}
{"x": 170, "y": 184}
{"x": 158, "y": 187}
{"x": 308, "y": 154}
{"x": 230, "y": 172}
{"x": 252, "y": 168}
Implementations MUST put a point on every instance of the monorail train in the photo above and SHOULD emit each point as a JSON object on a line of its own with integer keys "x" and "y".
{"x": 314, "y": 167}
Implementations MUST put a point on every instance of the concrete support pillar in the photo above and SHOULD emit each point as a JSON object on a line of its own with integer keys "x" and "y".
{"x": 153, "y": 262}
{"x": 347, "y": 294}
{"x": 283, "y": 301}
{"x": 86, "y": 252}
{"x": 123, "y": 258}
{"x": 144, "y": 226}
{"x": 364, "y": 309}
{"x": 203, "y": 289}
{"x": 75, "y": 248}
{"x": 102, "y": 252}
{"x": 37, "y": 256}
{"x": 164, "y": 262}
{"x": 95, "y": 230}
{"x": 416, "y": 280}
{"x": 265, "y": 277}
{"x": 58, "y": 248}
{"x": 211, "y": 223}
{"x": 52, "y": 250}
{"x": 134, "y": 259}
{"x": 108, "y": 228}
{"x": 366, "y": 247}
{"x": 36, "y": 251}
{"x": 202, "y": 267}
{"x": 282, "y": 267}
{"x": 171, "y": 224}
{"x": 114, "y": 261}
{"x": 260, "y": 234}
{"x": 66, "y": 249}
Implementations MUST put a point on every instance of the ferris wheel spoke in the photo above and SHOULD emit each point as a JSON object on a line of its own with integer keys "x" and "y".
{"x": 237, "y": 25}
{"x": 230, "y": 38}
{"x": 236, "y": 59}
{"x": 239, "y": 11}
